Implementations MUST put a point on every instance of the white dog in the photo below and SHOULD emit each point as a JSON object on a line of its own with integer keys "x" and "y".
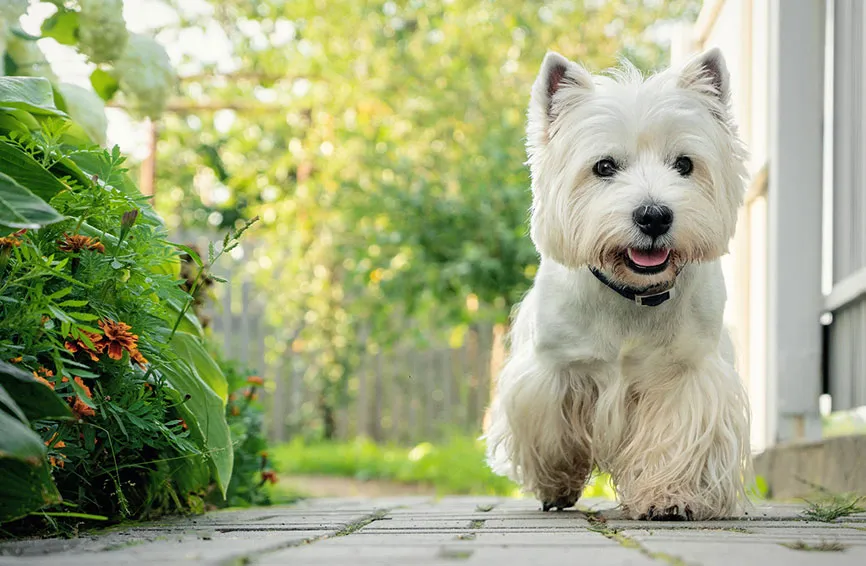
{"x": 618, "y": 356}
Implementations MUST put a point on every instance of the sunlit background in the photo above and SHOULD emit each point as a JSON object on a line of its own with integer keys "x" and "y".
{"x": 381, "y": 145}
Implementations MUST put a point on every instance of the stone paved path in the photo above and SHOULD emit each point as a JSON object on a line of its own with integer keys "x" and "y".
{"x": 455, "y": 531}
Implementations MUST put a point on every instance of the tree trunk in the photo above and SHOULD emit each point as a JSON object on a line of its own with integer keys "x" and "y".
{"x": 329, "y": 421}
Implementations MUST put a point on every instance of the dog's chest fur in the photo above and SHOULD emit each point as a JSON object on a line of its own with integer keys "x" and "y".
{"x": 578, "y": 321}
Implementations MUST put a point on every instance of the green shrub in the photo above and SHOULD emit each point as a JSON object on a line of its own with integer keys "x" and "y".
{"x": 245, "y": 414}
{"x": 109, "y": 401}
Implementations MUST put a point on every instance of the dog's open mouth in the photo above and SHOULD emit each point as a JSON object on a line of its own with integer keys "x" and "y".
{"x": 647, "y": 261}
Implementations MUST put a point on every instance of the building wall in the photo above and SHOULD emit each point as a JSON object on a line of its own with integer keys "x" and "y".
{"x": 740, "y": 29}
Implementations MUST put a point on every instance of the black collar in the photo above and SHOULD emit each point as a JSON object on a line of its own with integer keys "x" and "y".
{"x": 639, "y": 296}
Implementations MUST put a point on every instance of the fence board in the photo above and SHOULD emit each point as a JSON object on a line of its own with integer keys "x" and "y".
{"x": 406, "y": 394}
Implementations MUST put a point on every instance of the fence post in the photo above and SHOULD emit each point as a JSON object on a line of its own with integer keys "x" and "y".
{"x": 795, "y": 301}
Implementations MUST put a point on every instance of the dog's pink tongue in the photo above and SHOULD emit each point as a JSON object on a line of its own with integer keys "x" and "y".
{"x": 650, "y": 258}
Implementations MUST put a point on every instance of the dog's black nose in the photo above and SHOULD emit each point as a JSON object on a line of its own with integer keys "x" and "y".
{"x": 653, "y": 220}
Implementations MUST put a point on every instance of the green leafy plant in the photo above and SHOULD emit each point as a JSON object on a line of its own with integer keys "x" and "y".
{"x": 114, "y": 404}
{"x": 253, "y": 473}
{"x": 134, "y": 66}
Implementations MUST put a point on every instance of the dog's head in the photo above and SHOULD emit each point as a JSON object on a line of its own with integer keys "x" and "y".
{"x": 634, "y": 176}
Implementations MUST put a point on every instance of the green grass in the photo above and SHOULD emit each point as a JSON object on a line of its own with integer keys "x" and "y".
{"x": 833, "y": 507}
{"x": 454, "y": 467}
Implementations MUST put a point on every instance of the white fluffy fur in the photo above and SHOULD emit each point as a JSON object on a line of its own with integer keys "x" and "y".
{"x": 648, "y": 394}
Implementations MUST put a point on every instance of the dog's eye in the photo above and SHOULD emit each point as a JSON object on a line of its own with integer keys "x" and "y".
{"x": 684, "y": 165}
{"x": 605, "y": 168}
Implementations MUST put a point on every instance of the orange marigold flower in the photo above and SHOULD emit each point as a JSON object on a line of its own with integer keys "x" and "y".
{"x": 56, "y": 462}
{"x": 60, "y": 443}
{"x": 138, "y": 358}
{"x": 72, "y": 243}
{"x": 87, "y": 391}
{"x": 42, "y": 376}
{"x": 269, "y": 476}
{"x": 79, "y": 345}
{"x": 17, "y": 360}
{"x": 42, "y": 380}
{"x": 117, "y": 338}
{"x": 183, "y": 425}
{"x": 79, "y": 407}
{"x": 255, "y": 380}
{"x": 9, "y": 242}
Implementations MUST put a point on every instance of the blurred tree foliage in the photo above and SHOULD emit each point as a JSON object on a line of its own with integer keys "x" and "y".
{"x": 382, "y": 145}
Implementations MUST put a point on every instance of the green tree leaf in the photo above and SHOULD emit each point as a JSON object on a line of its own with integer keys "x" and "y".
{"x": 37, "y": 400}
{"x": 20, "y": 208}
{"x": 104, "y": 83}
{"x": 62, "y": 26}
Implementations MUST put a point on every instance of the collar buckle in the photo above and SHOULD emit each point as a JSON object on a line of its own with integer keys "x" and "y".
{"x": 654, "y": 299}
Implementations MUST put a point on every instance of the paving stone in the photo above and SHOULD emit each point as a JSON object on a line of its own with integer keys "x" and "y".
{"x": 559, "y": 555}
{"x": 759, "y": 554}
{"x": 391, "y": 524}
{"x": 472, "y": 539}
{"x": 453, "y": 554}
{"x": 751, "y": 536}
{"x": 453, "y": 531}
{"x": 167, "y": 548}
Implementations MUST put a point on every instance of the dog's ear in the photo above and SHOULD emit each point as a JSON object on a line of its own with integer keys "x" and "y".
{"x": 558, "y": 80}
{"x": 708, "y": 74}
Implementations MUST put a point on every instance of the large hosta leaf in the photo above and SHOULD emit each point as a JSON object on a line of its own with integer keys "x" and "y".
{"x": 25, "y": 480}
{"x": 28, "y": 172}
{"x": 204, "y": 413}
{"x": 20, "y": 208}
{"x": 17, "y": 120}
{"x": 190, "y": 348}
{"x": 33, "y": 94}
{"x": 8, "y": 404}
{"x": 37, "y": 400}
{"x": 189, "y": 324}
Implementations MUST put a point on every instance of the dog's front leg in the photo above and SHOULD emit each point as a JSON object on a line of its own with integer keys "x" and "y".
{"x": 686, "y": 447}
{"x": 539, "y": 433}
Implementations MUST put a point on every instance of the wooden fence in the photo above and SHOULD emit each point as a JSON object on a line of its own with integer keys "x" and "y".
{"x": 403, "y": 394}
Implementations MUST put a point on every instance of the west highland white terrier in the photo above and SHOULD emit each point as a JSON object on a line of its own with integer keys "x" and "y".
{"x": 618, "y": 359}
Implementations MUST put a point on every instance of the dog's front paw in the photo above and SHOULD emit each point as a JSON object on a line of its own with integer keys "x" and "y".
{"x": 670, "y": 513}
{"x": 560, "y": 503}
